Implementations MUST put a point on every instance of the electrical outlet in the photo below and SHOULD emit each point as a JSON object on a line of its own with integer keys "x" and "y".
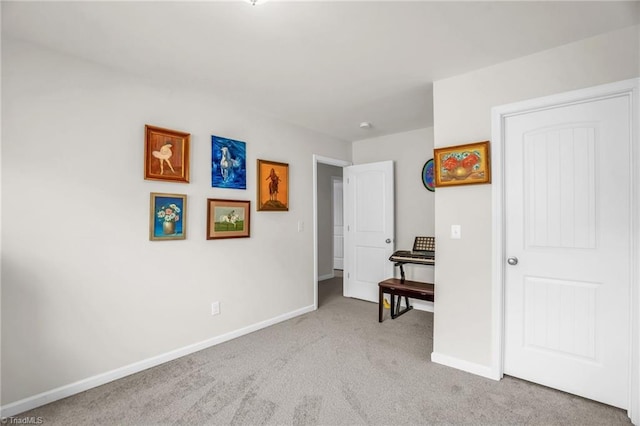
{"x": 215, "y": 308}
{"x": 300, "y": 226}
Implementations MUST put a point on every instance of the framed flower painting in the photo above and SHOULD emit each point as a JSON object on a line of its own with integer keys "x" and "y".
{"x": 462, "y": 164}
{"x": 167, "y": 217}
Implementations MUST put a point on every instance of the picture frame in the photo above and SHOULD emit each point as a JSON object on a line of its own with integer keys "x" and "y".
{"x": 228, "y": 218}
{"x": 462, "y": 164}
{"x": 428, "y": 175}
{"x": 167, "y": 217}
{"x": 228, "y": 163}
{"x": 273, "y": 186}
{"x": 166, "y": 154}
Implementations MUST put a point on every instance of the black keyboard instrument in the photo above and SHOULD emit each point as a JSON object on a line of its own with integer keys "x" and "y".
{"x": 423, "y": 253}
{"x": 421, "y": 257}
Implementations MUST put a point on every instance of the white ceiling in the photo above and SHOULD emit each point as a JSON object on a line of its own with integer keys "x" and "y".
{"x": 326, "y": 66}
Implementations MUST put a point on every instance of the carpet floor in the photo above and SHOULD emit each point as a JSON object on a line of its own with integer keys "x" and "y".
{"x": 333, "y": 366}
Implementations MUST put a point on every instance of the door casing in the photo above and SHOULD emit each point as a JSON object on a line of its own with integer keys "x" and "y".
{"x": 630, "y": 89}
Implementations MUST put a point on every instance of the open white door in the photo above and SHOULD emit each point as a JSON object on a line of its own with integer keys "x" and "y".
{"x": 369, "y": 228}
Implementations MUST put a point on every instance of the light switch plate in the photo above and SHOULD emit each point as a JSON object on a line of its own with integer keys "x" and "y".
{"x": 215, "y": 308}
{"x": 456, "y": 232}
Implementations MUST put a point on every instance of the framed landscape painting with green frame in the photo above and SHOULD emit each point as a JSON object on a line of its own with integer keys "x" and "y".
{"x": 167, "y": 217}
{"x": 228, "y": 218}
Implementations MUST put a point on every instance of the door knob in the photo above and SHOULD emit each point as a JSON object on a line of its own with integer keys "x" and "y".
{"x": 388, "y": 241}
{"x": 512, "y": 260}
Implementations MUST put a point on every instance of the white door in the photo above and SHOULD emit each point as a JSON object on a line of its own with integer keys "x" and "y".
{"x": 567, "y": 190}
{"x": 369, "y": 233}
{"x": 338, "y": 224}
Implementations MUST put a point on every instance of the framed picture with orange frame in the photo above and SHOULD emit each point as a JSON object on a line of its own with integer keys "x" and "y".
{"x": 273, "y": 186}
{"x": 166, "y": 154}
{"x": 462, "y": 165}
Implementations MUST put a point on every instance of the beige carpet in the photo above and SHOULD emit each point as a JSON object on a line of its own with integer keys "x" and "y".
{"x": 334, "y": 366}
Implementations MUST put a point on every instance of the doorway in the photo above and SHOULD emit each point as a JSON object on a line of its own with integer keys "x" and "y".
{"x": 324, "y": 169}
{"x": 369, "y": 215}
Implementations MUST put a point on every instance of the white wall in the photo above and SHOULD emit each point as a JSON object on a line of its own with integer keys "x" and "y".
{"x": 325, "y": 218}
{"x": 462, "y": 112}
{"x": 414, "y": 203}
{"x": 84, "y": 291}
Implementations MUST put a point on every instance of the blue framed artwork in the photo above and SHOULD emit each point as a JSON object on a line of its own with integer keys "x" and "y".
{"x": 167, "y": 217}
{"x": 428, "y": 176}
{"x": 228, "y": 163}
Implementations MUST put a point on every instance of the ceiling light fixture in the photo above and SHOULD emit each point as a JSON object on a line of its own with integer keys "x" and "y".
{"x": 255, "y": 2}
{"x": 365, "y": 125}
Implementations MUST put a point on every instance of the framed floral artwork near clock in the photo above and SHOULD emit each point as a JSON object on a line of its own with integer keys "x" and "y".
{"x": 462, "y": 164}
{"x": 167, "y": 217}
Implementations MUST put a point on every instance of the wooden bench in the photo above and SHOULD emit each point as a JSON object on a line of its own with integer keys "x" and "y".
{"x": 403, "y": 288}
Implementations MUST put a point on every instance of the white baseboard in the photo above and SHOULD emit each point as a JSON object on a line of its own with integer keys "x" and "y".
{"x": 421, "y": 305}
{"x": 459, "y": 364}
{"x": 326, "y": 277}
{"x": 91, "y": 382}
{"x": 418, "y": 305}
